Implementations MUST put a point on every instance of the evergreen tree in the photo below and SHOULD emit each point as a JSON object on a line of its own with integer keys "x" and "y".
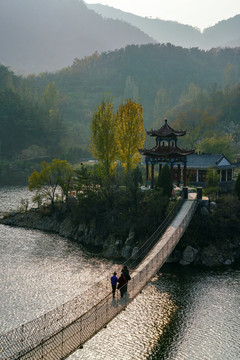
{"x": 164, "y": 181}
{"x": 237, "y": 187}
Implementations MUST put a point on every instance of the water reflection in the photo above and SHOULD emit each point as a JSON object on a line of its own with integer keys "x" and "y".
{"x": 39, "y": 271}
{"x": 134, "y": 333}
{"x": 184, "y": 314}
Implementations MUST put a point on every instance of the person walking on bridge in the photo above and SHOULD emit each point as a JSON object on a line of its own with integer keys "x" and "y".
{"x": 122, "y": 284}
{"x": 114, "y": 281}
{"x": 126, "y": 274}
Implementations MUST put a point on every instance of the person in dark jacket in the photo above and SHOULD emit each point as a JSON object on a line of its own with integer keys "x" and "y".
{"x": 122, "y": 284}
{"x": 114, "y": 281}
{"x": 126, "y": 274}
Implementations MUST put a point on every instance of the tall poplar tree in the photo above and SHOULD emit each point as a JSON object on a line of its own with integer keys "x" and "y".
{"x": 54, "y": 126}
{"x": 103, "y": 130}
{"x": 130, "y": 134}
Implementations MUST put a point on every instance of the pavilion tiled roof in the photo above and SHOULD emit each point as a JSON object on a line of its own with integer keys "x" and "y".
{"x": 166, "y": 131}
{"x": 166, "y": 151}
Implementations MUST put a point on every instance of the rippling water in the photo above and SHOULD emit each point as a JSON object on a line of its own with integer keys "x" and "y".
{"x": 183, "y": 314}
{"x": 39, "y": 271}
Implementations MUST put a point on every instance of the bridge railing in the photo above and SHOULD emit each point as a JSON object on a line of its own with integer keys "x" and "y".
{"x": 61, "y": 331}
{"x": 149, "y": 243}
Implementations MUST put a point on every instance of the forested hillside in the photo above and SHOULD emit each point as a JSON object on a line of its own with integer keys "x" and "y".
{"x": 49, "y": 115}
{"x": 31, "y": 128}
{"x": 160, "y": 75}
{"x": 28, "y": 118}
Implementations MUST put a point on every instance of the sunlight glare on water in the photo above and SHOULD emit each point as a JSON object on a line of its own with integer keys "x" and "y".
{"x": 39, "y": 271}
{"x": 134, "y": 332}
{"x": 183, "y": 314}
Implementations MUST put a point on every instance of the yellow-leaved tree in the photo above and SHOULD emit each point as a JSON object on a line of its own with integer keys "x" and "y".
{"x": 103, "y": 130}
{"x": 130, "y": 134}
{"x": 54, "y": 175}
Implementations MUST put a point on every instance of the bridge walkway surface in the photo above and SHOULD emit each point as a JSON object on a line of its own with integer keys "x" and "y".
{"x": 60, "y": 332}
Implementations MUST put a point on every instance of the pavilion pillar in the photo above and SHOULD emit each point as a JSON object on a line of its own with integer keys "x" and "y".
{"x": 185, "y": 175}
{"x": 147, "y": 173}
{"x": 179, "y": 175}
{"x": 171, "y": 171}
{"x": 152, "y": 175}
{"x": 159, "y": 168}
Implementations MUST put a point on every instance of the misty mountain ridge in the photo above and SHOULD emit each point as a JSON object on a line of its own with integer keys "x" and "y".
{"x": 47, "y": 35}
{"x": 224, "y": 33}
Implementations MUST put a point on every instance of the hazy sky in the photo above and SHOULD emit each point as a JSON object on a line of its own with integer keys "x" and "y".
{"x": 198, "y": 13}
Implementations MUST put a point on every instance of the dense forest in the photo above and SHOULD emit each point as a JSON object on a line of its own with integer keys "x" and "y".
{"x": 49, "y": 115}
{"x": 164, "y": 77}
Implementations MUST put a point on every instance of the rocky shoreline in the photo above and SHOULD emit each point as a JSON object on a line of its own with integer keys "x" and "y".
{"x": 188, "y": 251}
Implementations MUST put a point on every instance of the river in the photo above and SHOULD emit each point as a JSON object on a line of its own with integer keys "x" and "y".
{"x": 183, "y": 314}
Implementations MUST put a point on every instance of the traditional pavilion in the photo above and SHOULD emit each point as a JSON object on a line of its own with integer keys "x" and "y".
{"x": 166, "y": 151}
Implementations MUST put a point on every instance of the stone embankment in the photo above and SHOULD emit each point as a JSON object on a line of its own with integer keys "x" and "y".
{"x": 206, "y": 249}
{"x": 187, "y": 252}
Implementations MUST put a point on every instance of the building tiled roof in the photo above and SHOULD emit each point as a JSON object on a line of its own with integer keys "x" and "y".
{"x": 205, "y": 161}
{"x": 166, "y": 131}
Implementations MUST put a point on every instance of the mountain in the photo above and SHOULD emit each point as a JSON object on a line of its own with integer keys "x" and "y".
{"x": 201, "y": 88}
{"x": 224, "y": 33}
{"x": 160, "y": 75}
{"x": 162, "y": 31}
{"x": 46, "y": 35}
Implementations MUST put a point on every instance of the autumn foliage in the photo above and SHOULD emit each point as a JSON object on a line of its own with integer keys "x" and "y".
{"x": 103, "y": 129}
{"x": 130, "y": 135}
{"x": 117, "y": 137}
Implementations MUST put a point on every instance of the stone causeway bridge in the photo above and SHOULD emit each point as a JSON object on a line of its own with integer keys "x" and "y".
{"x": 60, "y": 332}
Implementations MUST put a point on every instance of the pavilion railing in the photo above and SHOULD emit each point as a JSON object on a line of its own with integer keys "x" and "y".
{"x": 58, "y": 333}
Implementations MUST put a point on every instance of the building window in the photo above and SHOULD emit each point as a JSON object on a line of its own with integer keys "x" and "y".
{"x": 224, "y": 176}
{"x": 229, "y": 175}
{"x": 202, "y": 175}
{"x": 192, "y": 175}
